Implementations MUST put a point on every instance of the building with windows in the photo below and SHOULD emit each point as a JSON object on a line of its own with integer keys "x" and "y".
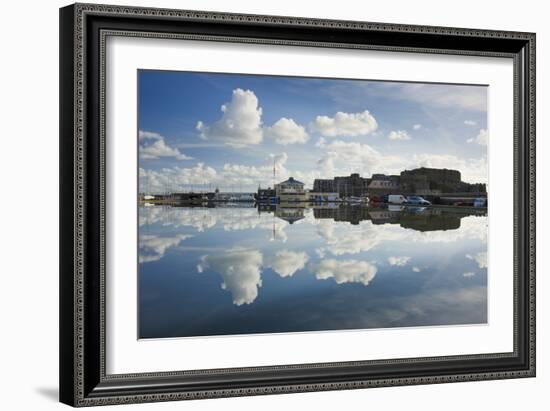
{"x": 321, "y": 185}
{"x": 420, "y": 181}
{"x": 352, "y": 186}
{"x": 381, "y": 184}
{"x": 349, "y": 186}
{"x": 290, "y": 191}
{"x": 266, "y": 195}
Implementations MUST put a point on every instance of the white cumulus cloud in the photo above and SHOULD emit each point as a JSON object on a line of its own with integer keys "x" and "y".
{"x": 417, "y": 126}
{"x": 399, "y": 135}
{"x": 240, "y": 124}
{"x": 175, "y": 178}
{"x": 244, "y": 175}
{"x": 326, "y": 164}
{"x": 343, "y": 157}
{"x": 144, "y": 134}
{"x": 481, "y": 138}
{"x": 345, "y": 124}
{"x": 153, "y": 146}
{"x": 286, "y": 131}
{"x": 354, "y": 152}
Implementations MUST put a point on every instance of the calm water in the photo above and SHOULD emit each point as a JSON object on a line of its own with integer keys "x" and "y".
{"x": 239, "y": 270}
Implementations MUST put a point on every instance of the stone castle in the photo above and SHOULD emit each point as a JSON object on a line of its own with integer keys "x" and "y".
{"x": 421, "y": 181}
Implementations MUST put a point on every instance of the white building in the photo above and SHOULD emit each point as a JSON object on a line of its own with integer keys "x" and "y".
{"x": 290, "y": 190}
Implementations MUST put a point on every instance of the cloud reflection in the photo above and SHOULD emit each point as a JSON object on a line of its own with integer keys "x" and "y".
{"x": 479, "y": 258}
{"x": 346, "y": 271}
{"x": 203, "y": 219}
{"x": 240, "y": 270}
{"x": 344, "y": 239}
{"x": 286, "y": 263}
{"x": 153, "y": 247}
{"x": 200, "y": 219}
{"x": 398, "y": 261}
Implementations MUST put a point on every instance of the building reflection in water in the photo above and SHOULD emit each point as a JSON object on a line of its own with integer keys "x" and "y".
{"x": 416, "y": 218}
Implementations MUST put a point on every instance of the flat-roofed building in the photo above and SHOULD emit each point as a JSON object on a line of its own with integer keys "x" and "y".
{"x": 381, "y": 184}
{"x": 346, "y": 186}
{"x": 321, "y": 185}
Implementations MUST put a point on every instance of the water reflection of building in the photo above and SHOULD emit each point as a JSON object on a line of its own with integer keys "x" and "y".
{"x": 289, "y": 214}
{"x": 266, "y": 207}
{"x": 323, "y": 197}
{"x": 350, "y": 214}
{"x": 416, "y": 218}
{"x": 266, "y": 195}
{"x": 421, "y": 219}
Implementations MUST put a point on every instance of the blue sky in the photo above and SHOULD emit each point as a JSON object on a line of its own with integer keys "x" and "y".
{"x": 202, "y": 130}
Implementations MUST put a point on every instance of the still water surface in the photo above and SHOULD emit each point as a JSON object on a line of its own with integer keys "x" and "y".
{"x": 239, "y": 269}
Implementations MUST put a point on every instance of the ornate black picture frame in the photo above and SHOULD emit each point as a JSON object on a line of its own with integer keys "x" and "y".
{"x": 83, "y": 31}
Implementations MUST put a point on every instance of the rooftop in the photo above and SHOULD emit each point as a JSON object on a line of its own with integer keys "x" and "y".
{"x": 292, "y": 181}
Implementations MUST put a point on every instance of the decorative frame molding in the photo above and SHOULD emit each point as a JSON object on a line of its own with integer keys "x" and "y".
{"x": 83, "y": 32}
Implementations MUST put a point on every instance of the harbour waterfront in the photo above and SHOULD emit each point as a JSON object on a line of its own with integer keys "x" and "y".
{"x": 440, "y": 186}
{"x": 237, "y": 268}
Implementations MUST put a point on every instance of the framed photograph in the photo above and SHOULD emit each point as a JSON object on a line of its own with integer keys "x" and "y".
{"x": 261, "y": 204}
